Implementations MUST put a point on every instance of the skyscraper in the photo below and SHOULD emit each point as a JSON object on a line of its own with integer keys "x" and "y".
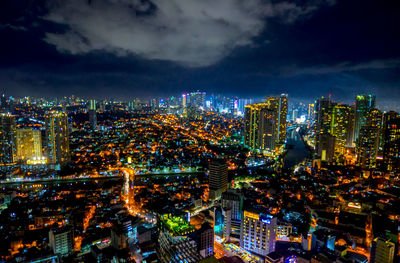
{"x": 258, "y": 231}
{"x": 382, "y": 251}
{"x": 7, "y": 138}
{"x": 29, "y": 145}
{"x": 92, "y": 114}
{"x": 364, "y": 104}
{"x": 265, "y": 124}
{"x": 391, "y": 138}
{"x": 279, "y": 105}
{"x": 218, "y": 178}
{"x": 322, "y": 120}
{"x": 367, "y": 147}
{"x": 234, "y": 201}
{"x": 259, "y": 127}
{"x": 57, "y": 137}
{"x": 339, "y": 129}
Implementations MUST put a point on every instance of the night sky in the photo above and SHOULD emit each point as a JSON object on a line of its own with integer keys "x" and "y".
{"x": 146, "y": 48}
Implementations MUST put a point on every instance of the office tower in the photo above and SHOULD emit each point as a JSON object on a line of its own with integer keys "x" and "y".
{"x": 391, "y": 138}
{"x": 260, "y": 128}
{"x": 61, "y": 240}
{"x": 219, "y": 222}
{"x": 339, "y": 129}
{"x": 233, "y": 200}
{"x": 7, "y": 138}
{"x": 92, "y": 114}
{"x": 367, "y": 147}
{"x": 364, "y": 104}
{"x": 279, "y": 105}
{"x": 322, "y": 120}
{"x": 257, "y": 234}
{"x": 29, "y": 145}
{"x": 57, "y": 137}
{"x": 375, "y": 119}
{"x": 382, "y": 251}
{"x": 204, "y": 237}
{"x": 217, "y": 178}
{"x": 350, "y": 128}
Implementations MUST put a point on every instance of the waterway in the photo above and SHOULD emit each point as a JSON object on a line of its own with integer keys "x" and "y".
{"x": 297, "y": 151}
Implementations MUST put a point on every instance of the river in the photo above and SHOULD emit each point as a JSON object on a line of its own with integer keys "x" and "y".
{"x": 297, "y": 151}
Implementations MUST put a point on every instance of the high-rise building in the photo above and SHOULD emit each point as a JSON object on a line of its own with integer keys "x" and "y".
{"x": 311, "y": 113}
{"x": 364, "y": 104}
{"x": 61, "y": 240}
{"x": 218, "y": 178}
{"x": 7, "y": 138}
{"x": 204, "y": 237}
{"x": 258, "y": 233}
{"x": 57, "y": 137}
{"x": 260, "y": 127}
{"x": 367, "y": 147}
{"x": 234, "y": 201}
{"x": 195, "y": 99}
{"x": 92, "y": 111}
{"x": 382, "y": 251}
{"x": 322, "y": 121}
{"x": 326, "y": 147}
{"x": 340, "y": 118}
{"x": 391, "y": 138}
{"x": 279, "y": 105}
{"x": 29, "y": 145}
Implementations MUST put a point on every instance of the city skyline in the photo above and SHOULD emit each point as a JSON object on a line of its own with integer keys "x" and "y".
{"x": 200, "y": 131}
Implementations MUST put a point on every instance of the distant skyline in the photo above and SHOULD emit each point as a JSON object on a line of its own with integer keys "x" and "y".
{"x": 253, "y": 48}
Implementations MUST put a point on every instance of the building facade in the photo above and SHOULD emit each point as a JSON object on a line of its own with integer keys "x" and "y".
{"x": 57, "y": 137}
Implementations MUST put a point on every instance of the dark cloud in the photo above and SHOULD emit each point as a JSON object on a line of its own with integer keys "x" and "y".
{"x": 190, "y": 32}
{"x": 125, "y": 48}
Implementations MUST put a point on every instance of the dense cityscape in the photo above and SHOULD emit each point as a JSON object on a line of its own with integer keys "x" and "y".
{"x": 199, "y": 178}
{"x": 199, "y": 131}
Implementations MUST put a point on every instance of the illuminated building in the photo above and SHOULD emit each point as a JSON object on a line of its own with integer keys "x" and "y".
{"x": 283, "y": 231}
{"x": 259, "y": 127}
{"x": 258, "y": 231}
{"x": 29, "y": 145}
{"x": 61, "y": 240}
{"x": 204, "y": 237}
{"x": 234, "y": 201}
{"x": 279, "y": 105}
{"x": 7, "y": 138}
{"x": 391, "y": 135}
{"x": 218, "y": 178}
{"x": 367, "y": 147}
{"x": 382, "y": 251}
{"x": 196, "y": 99}
{"x": 326, "y": 147}
{"x": 57, "y": 137}
{"x": 311, "y": 113}
{"x": 174, "y": 243}
{"x": 322, "y": 121}
{"x": 92, "y": 114}
{"x": 219, "y": 222}
{"x": 339, "y": 126}
{"x": 364, "y": 104}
